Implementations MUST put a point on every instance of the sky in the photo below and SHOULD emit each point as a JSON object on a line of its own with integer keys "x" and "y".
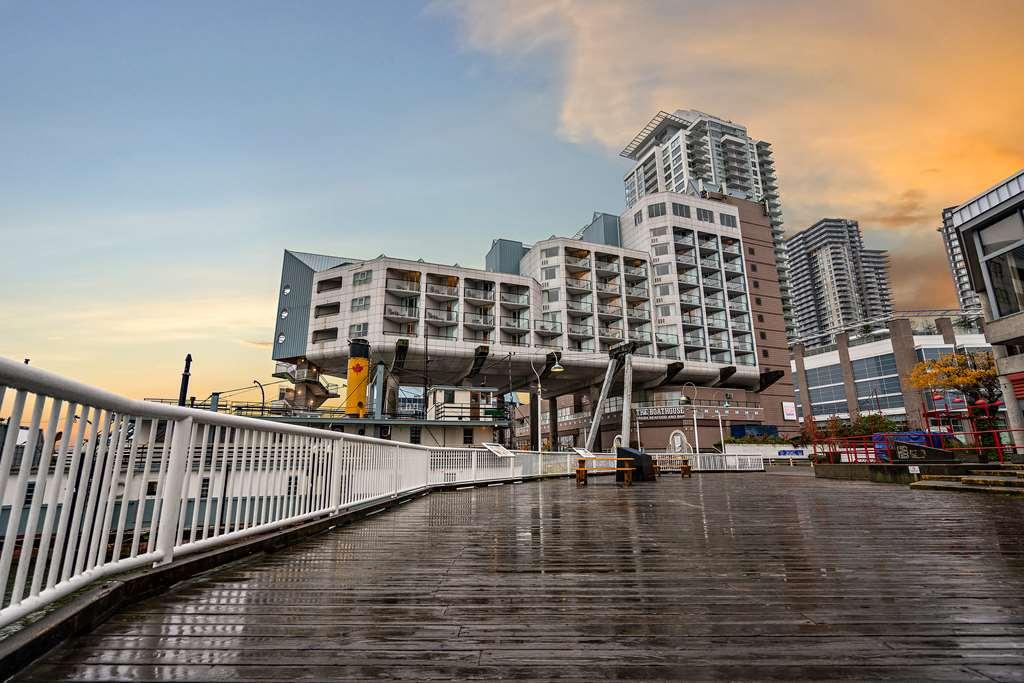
{"x": 157, "y": 158}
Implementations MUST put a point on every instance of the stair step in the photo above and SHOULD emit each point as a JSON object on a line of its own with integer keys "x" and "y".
{"x": 991, "y": 473}
{"x": 964, "y": 488}
{"x": 941, "y": 477}
{"x": 1011, "y": 482}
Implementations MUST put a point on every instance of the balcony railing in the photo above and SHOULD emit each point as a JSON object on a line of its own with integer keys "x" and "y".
{"x": 403, "y": 285}
{"x": 577, "y": 262}
{"x": 709, "y": 262}
{"x": 580, "y": 330}
{"x": 478, "y": 319}
{"x": 513, "y": 298}
{"x": 735, "y": 286}
{"x": 737, "y": 325}
{"x": 547, "y": 326}
{"x": 733, "y": 266}
{"x": 515, "y": 323}
{"x": 575, "y": 283}
{"x": 609, "y": 333}
{"x": 638, "y": 313}
{"x": 442, "y": 290}
{"x": 640, "y": 336}
{"x": 683, "y": 240}
{"x": 693, "y": 320}
{"x": 582, "y": 306}
{"x": 666, "y": 339}
{"x": 717, "y": 322}
{"x": 686, "y": 259}
{"x": 482, "y": 294}
{"x": 609, "y": 287}
{"x": 693, "y": 340}
{"x": 689, "y": 299}
{"x": 638, "y": 271}
{"x": 606, "y": 266}
{"x": 396, "y": 311}
{"x": 714, "y": 302}
{"x": 689, "y": 280}
{"x": 637, "y": 292}
{"x": 730, "y": 248}
{"x": 604, "y": 309}
{"x": 436, "y": 315}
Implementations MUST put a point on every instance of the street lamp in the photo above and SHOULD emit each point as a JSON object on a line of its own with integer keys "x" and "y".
{"x": 263, "y": 397}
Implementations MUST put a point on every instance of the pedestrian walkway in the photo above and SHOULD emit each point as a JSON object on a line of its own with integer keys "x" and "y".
{"x": 731, "y": 576}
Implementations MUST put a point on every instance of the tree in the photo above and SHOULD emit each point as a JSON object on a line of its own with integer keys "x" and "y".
{"x": 973, "y": 374}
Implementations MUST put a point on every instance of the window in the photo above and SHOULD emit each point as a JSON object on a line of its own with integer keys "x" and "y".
{"x": 825, "y": 375}
{"x": 750, "y": 250}
{"x": 764, "y": 353}
{"x": 549, "y": 273}
{"x": 320, "y": 336}
{"x": 728, "y": 220}
{"x": 664, "y": 290}
{"x": 1006, "y": 273}
{"x": 30, "y": 492}
{"x": 875, "y": 366}
{"x": 358, "y": 330}
{"x": 664, "y": 311}
{"x": 753, "y": 267}
{"x": 549, "y": 296}
{"x": 660, "y": 249}
{"x": 658, "y": 232}
{"x": 762, "y": 335}
{"x": 680, "y": 210}
{"x": 757, "y": 285}
{"x": 204, "y": 488}
{"x": 415, "y": 434}
{"x": 328, "y": 285}
{"x": 324, "y": 310}
{"x": 760, "y": 318}
{"x": 1001, "y": 234}
{"x": 706, "y": 215}
{"x": 757, "y": 300}
{"x": 662, "y": 268}
{"x": 638, "y": 218}
{"x": 362, "y": 277}
{"x": 655, "y": 210}
{"x": 550, "y": 252}
{"x": 293, "y": 485}
{"x": 151, "y": 488}
{"x": 467, "y": 436}
{"x": 360, "y": 303}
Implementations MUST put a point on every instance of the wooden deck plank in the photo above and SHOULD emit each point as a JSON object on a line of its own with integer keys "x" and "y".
{"x": 743, "y": 577}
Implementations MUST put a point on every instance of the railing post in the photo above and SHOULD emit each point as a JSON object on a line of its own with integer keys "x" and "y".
{"x": 172, "y": 500}
{"x": 474, "y": 466}
{"x": 398, "y": 471}
{"x": 338, "y": 446}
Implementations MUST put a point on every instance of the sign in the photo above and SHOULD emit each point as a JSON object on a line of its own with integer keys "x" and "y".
{"x": 788, "y": 410}
{"x": 914, "y": 469}
{"x": 499, "y": 450}
{"x": 798, "y": 453}
{"x": 583, "y": 451}
{"x": 905, "y": 452}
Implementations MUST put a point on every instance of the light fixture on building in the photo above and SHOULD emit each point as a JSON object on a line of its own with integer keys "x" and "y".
{"x": 557, "y": 367}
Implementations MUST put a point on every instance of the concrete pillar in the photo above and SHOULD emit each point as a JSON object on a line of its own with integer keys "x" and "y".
{"x": 1014, "y": 418}
{"x": 843, "y": 346}
{"x": 945, "y": 326}
{"x": 534, "y": 420}
{"x": 800, "y": 378}
{"x": 553, "y": 422}
{"x": 901, "y": 335}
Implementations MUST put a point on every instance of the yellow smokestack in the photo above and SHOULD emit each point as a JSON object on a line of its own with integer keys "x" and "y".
{"x": 358, "y": 377}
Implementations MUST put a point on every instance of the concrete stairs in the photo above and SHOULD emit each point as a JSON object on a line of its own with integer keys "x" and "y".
{"x": 1006, "y": 480}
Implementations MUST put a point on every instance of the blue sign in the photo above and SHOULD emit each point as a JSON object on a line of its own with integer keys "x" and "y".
{"x": 799, "y": 453}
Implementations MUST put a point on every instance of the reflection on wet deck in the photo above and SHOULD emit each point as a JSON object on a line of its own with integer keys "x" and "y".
{"x": 756, "y": 576}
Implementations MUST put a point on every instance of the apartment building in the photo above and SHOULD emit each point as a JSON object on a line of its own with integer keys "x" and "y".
{"x": 835, "y": 281}
{"x": 869, "y": 373}
{"x": 965, "y": 294}
{"x": 691, "y": 150}
{"x": 991, "y": 231}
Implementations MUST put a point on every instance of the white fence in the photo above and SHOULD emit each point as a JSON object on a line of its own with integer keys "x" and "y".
{"x": 94, "y": 484}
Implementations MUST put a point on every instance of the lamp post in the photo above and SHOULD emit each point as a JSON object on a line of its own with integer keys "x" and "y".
{"x": 263, "y": 397}
{"x": 556, "y": 368}
{"x": 693, "y": 412}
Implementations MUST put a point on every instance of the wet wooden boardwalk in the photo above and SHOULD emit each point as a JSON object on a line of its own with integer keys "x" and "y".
{"x": 756, "y": 576}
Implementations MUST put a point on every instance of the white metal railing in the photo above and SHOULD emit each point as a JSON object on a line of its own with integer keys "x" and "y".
{"x": 93, "y": 484}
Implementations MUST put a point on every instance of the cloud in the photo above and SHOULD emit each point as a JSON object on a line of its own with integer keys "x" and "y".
{"x": 255, "y": 343}
{"x": 880, "y": 111}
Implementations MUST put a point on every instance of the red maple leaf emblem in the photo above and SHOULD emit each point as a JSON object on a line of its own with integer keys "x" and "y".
{"x": 357, "y": 368}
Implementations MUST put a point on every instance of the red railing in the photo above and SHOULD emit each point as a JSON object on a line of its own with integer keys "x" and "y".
{"x": 981, "y": 446}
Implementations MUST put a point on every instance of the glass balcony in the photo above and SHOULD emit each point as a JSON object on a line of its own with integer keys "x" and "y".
{"x": 547, "y": 327}
{"x": 436, "y": 316}
{"x": 395, "y": 312}
{"x": 478, "y": 294}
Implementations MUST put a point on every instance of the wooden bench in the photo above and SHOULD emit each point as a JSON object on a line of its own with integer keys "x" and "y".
{"x": 582, "y": 470}
{"x": 674, "y": 461}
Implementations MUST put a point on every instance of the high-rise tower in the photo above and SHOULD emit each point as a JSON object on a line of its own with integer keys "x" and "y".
{"x": 692, "y": 150}
{"x": 835, "y": 281}
{"x": 965, "y": 294}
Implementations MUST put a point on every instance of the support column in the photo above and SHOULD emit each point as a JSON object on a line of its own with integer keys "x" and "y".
{"x": 843, "y": 346}
{"x": 553, "y": 422}
{"x": 534, "y": 420}
{"x": 945, "y": 327}
{"x": 1014, "y": 418}
{"x": 800, "y": 378}
{"x": 902, "y": 336}
{"x": 627, "y": 398}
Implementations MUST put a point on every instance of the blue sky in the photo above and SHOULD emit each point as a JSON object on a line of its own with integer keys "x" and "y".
{"x": 159, "y": 157}
{"x": 158, "y": 154}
